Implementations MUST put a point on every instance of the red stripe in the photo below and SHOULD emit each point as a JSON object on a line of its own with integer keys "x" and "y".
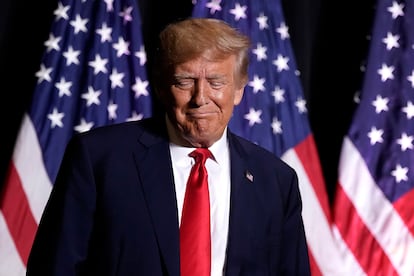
{"x": 306, "y": 151}
{"x": 314, "y": 268}
{"x": 405, "y": 207}
{"x": 17, "y": 213}
{"x": 367, "y": 251}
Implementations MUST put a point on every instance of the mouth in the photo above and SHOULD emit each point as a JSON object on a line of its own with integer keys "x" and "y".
{"x": 200, "y": 115}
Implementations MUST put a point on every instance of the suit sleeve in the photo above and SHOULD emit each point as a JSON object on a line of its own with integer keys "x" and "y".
{"x": 295, "y": 250}
{"x": 61, "y": 242}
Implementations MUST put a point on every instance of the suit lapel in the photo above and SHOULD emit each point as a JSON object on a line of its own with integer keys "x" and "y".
{"x": 155, "y": 172}
{"x": 240, "y": 220}
{"x": 153, "y": 163}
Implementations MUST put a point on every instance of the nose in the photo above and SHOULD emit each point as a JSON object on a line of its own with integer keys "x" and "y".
{"x": 200, "y": 96}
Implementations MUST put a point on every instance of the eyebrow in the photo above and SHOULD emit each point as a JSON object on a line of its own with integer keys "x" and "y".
{"x": 190, "y": 76}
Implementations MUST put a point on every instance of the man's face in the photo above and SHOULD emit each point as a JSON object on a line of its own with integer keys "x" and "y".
{"x": 203, "y": 96}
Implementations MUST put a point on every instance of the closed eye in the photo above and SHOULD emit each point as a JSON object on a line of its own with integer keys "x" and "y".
{"x": 184, "y": 83}
{"x": 188, "y": 83}
{"x": 216, "y": 84}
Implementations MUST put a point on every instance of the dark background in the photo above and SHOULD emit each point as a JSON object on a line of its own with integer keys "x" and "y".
{"x": 329, "y": 38}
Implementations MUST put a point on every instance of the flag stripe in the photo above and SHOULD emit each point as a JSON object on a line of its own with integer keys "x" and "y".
{"x": 405, "y": 208}
{"x": 306, "y": 151}
{"x": 17, "y": 214}
{"x": 377, "y": 214}
{"x": 26, "y": 190}
{"x": 349, "y": 263}
{"x": 30, "y": 167}
{"x": 315, "y": 222}
{"x": 370, "y": 252}
{"x": 313, "y": 265}
{"x": 10, "y": 261}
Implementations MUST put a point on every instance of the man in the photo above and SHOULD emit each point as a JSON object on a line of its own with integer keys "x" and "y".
{"x": 116, "y": 207}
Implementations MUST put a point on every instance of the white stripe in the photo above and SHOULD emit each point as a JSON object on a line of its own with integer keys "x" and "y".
{"x": 318, "y": 231}
{"x": 10, "y": 261}
{"x": 375, "y": 210}
{"x": 27, "y": 158}
{"x": 347, "y": 257}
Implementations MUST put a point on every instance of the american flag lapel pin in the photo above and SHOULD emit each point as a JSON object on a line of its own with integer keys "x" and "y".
{"x": 249, "y": 176}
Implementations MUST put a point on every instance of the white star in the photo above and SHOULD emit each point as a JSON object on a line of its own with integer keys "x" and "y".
{"x": 257, "y": 84}
{"x": 112, "y": 110}
{"x": 375, "y": 136}
{"x": 400, "y": 173}
{"x": 140, "y": 87}
{"x": 83, "y": 126}
{"x": 253, "y": 116}
{"x": 239, "y": 11}
{"x": 386, "y": 72}
{"x": 262, "y": 20}
{"x": 135, "y": 116}
{"x": 71, "y": 56}
{"x": 381, "y": 104}
{"x": 406, "y": 142}
{"x": 276, "y": 126}
{"x": 396, "y": 9}
{"x": 126, "y": 14}
{"x": 61, "y": 12}
{"x": 55, "y": 118}
{"x": 109, "y": 5}
{"x": 121, "y": 47}
{"x": 52, "y": 43}
{"x": 409, "y": 110}
{"x": 391, "y": 41}
{"x": 64, "y": 87}
{"x": 301, "y": 105}
{"x": 278, "y": 94}
{"x": 141, "y": 55}
{"x": 283, "y": 30}
{"x": 92, "y": 96}
{"x": 281, "y": 63}
{"x": 105, "y": 32}
{"x": 44, "y": 74}
{"x": 410, "y": 78}
{"x": 260, "y": 52}
{"x": 214, "y": 6}
{"x": 79, "y": 24}
{"x": 98, "y": 64}
{"x": 116, "y": 79}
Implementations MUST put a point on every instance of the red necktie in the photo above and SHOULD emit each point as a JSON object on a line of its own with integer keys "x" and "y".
{"x": 195, "y": 246}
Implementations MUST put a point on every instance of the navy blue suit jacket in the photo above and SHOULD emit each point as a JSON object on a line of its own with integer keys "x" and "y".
{"x": 113, "y": 209}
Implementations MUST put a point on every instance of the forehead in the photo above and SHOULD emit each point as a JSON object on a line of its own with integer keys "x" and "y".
{"x": 203, "y": 66}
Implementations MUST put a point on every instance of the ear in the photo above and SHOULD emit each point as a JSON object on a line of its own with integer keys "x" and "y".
{"x": 238, "y": 95}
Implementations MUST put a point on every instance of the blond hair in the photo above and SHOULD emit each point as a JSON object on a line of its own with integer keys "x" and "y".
{"x": 210, "y": 38}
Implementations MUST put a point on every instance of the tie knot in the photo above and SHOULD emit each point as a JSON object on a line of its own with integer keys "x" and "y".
{"x": 201, "y": 155}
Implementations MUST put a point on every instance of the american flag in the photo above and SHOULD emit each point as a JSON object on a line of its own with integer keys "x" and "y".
{"x": 273, "y": 113}
{"x": 374, "y": 203}
{"x": 92, "y": 74}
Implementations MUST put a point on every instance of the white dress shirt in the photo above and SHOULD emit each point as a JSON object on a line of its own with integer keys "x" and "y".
{"x": 219, "y": 189}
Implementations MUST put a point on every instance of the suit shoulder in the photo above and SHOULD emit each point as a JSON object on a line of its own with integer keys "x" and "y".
{"x": 259, "y": 154}
{"x": 121, "y": 134}
{"x": 122, "y": 130}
